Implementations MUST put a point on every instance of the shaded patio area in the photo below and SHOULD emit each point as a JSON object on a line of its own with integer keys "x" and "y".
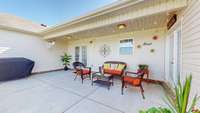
{"x": 57, "y": 92}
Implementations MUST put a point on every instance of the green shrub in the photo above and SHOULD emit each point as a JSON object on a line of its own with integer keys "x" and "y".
{"x": 157, "y": 110}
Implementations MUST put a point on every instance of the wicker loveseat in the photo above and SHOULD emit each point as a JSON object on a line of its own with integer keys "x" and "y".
{"x": 113, "y": 67}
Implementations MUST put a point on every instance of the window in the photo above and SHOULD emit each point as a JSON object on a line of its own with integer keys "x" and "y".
{"x": 126, "y": 47}
{"x": 77, "y": 53}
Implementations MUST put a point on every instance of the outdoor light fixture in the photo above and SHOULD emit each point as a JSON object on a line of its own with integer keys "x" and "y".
{"x": 68, "y": 37}
{"x": 121, "y": 26}
{"x": 131, "y": 33}
{"x": 50, "y": 44}
{"x": 155, "y": 23}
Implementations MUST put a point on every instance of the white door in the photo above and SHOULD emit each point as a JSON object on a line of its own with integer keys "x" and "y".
{"x": 171, "y": 58}
{"x": 175, "y": 56}
{"x": 81, "y": 54}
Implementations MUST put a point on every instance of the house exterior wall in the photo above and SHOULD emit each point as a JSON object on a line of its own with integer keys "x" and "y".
{"x": 32, "y": 47}
{"x": 140, "y": 55}
{"x": 191, "y": 42}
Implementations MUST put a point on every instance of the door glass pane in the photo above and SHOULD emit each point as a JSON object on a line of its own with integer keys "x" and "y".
{"x": 77, "y": 53}
{"x": 84, "y": 55}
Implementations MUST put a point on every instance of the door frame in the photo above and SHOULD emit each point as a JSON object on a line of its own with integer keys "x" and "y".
{"x": 177, "y": 53}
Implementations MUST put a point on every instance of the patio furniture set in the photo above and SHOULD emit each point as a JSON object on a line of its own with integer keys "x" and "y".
{"x": 109, "y": 70}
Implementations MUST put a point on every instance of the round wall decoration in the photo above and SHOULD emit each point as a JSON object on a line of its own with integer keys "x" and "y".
{"x": 155, "y": 37}
{"x": 105, "y": 50}
{"x": 152, "y": 50}
{"x": 139, "y": 46}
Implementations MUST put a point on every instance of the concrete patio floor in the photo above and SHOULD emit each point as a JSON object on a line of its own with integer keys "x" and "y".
{"x": 57, "y": 92}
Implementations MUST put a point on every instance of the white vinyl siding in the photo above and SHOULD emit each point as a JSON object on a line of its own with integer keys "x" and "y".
{"x": 191, "y": 42}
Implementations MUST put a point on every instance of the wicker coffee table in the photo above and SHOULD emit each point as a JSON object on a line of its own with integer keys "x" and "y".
{"x": 102, "y": 79}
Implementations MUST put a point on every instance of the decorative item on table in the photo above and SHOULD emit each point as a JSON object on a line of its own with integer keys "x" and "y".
{"x": 144, "y": 68}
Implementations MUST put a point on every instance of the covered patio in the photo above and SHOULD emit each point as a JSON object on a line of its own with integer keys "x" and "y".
{"x": 84, "y": 38}
{"x": 144, "y": 23}
{"x": 57, "y": 92}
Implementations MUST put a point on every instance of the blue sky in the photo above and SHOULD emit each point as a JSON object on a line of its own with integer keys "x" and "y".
{"x": 50, "y": 12}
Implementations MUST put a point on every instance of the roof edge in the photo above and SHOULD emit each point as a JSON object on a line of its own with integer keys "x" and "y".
{"x": 98, "y": 12}
{"x": 19, "y": 30}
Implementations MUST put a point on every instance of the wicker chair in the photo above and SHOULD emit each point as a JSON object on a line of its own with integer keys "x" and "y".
{"x": 81, "y": 70}
{"x": 133, "y": 81}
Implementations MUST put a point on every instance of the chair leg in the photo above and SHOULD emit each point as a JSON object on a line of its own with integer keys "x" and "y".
{"x": 122, "y": 89}
{"x": 142, "y": 91}
{"x": 82, "y": 78}
{"x": 75, "y": 77}
{"x": 112, "y": 81}
{"x": 90, "y": 76}
{"x": 92, "y": 81}
{"x": 109, "y": 86}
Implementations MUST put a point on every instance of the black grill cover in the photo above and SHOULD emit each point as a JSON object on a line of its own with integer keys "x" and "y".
{"x": 15, "y": 68}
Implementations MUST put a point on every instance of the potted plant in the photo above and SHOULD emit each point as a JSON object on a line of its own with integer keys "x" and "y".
{"x": 66, "y": 60}
{"x": 143, "y": 66}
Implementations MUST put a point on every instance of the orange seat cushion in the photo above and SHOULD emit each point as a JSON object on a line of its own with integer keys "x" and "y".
{"x": 85, "y": 71}
{"x": 131, "y": 80}
{"x": 112, "y": 71}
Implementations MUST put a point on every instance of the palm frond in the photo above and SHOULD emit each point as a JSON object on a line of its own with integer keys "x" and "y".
{"x": 194, "y": 101}
{"x": 179, "y": 104}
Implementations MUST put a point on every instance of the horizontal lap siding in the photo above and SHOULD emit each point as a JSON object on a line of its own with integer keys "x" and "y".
{"x": 191, "y": 42}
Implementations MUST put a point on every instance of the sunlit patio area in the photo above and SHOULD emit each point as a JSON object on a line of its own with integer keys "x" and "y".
{"x": 57, "y": 92}
{"x": 120, "y": 56}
